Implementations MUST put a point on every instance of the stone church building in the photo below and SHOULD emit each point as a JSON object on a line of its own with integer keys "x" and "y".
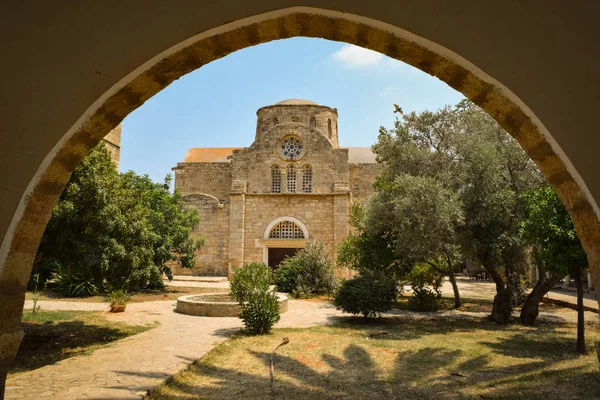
{"x": 262, "y": 203}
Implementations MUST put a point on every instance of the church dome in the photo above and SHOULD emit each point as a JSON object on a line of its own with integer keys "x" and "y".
{"x": 296, "y": 102}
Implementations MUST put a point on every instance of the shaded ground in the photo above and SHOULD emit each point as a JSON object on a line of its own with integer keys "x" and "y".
{"x": 128, "y": 368}
{"x": 471, "y": 305}
{"x": 168, "y": 293}
{"x": 51, "y": 336}
{"x": 415, "y": 359}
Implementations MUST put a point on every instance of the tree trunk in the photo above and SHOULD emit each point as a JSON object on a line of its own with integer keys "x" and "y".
{"x": 457, "y": 302}
{"x": 502, "y": 308}
{"x": 531, "y": 307}
{"x": 576, "y": 271}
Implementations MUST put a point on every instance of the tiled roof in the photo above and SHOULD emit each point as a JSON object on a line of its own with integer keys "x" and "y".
{"x": 209, "y": 154}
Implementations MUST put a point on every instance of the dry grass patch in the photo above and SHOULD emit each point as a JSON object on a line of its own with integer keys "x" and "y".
{"x": 415, "y": 359}
{"x": 51, "y": 336}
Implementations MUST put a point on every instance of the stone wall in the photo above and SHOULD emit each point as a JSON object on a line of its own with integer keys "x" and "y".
{"x": 213, "y": 178}
{"x": 362, "y": 177}
{"x": 330, "y": 165}
{"x": 112, "y": 141}
{"x": 214, "y": 226}
{"x": 317, "y": 212}
{"x": 325, "y": 118}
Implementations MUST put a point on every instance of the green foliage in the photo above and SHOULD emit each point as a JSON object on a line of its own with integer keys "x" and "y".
{"x": 423, "y": 299}
{"x": 365, "y": 252}
{"x": 74, "y": 284}
{"x": 450, "y": 188}
{"x": 248, "y": 280}
{"x": 118, "y": 230}
{"x": 368, "y": 295}
{"x": 286, "y": 275}
{"x": 549, "y": 229}
{"x": 424, "y": 275}
{"x": 261, "y": 312}
{"x": 314, "y": 273}
{"x": 117, "y": 298}
{"x": 250, "y": 288}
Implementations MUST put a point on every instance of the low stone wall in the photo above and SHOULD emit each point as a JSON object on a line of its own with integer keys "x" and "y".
{"x": 217, "y": 305}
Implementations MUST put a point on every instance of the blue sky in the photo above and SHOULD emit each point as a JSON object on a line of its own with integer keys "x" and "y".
{"x": 216, "y": 105}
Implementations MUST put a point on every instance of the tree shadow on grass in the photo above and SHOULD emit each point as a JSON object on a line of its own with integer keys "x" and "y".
{"x": 541, "y": 369}
{"x": 403, "y": 328}
{"x": 49, "y": 342}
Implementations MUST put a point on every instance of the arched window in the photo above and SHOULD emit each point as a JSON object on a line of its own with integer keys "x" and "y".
{"x": 313, "y": 123}
{"x": 275, "y": 121}
{"x": 291, "y": 179}
{"x": 307, "y": 179}
{"x": 286, "y": 230}
{"x": 329, "y": 127}
{"x": 275, "y": 179}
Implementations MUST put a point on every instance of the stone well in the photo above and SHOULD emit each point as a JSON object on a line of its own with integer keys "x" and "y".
{"x": 217, "y": 305}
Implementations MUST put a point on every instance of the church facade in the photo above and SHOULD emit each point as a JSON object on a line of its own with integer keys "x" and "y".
{"x": 264, "y": 202}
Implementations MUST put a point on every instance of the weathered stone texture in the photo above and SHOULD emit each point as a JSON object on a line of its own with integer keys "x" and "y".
{"x": 214, "y": 216}
{"x": 208, "y": 178}
{"x": 243, "y": 188}
{"x": 362, "y": 177}
{"x": 112, "y": 141}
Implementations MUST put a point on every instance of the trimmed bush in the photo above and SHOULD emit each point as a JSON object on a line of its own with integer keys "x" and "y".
{"x": 250, "y": 287}
{"x": 249, "y": 279}
{"x": 367, "y": 295}
{"x": 308, "y": 273}
{"x": 423, "y": 299}
{"x": 260, "y": 312}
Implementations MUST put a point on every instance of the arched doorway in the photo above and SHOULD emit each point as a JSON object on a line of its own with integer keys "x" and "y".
{"x": 94, "y": 114}
{"x": 283, "y": 238}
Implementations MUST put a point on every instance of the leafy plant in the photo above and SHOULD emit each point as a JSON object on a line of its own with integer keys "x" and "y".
{"x": 250, "y": 287}
{"x": 286, "y": 275}
{"x": 118, "y": 298}
{"x": 423, "y": 299}
{"x": 74, "y": 284}
{"x": 248, "y": 280}
{"x": 119, "y": 230}
{"x": 308, "y": 273}
{"x": 368, "y": 295}
{"x": 260, "y": 312}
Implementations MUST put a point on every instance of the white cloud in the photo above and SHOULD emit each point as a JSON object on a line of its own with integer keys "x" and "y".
{"x": 391, "y": 90}
{"x": 357, "y": 57}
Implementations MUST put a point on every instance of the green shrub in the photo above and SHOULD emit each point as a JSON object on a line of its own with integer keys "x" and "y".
{"x": 423, "y": 298}
{"x": 250, "y": 279}
{"x": 75, "y": 284}
{"x": 260, "y": 312}
{"x": 308, "y": 273}
{"x": 250, "y": 287}
{"x": 286, "y": 275}
{"x": 367, "y": 295}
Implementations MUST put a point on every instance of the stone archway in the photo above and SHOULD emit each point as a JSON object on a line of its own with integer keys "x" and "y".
{"x": 294, "y": 241}
{"x": 27, "y": 225}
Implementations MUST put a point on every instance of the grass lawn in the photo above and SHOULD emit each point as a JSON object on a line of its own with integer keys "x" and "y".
{"x": 416, "y": 359}
{"x": 168, "y": 293}
{"x": 51, "y": 336}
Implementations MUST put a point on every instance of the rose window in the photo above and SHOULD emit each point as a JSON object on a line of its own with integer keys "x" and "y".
{"x": 291, "y": 147}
